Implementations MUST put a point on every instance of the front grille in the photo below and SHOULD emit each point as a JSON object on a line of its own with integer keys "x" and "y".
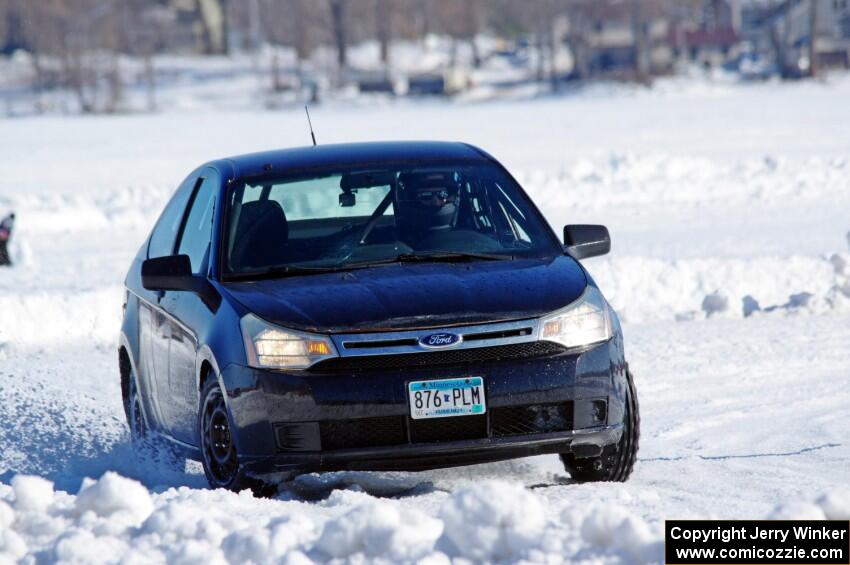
{"x": 499, "y": 334}
{"x": 526, "y": 350}
{"x": 366, "y": 432}
{"x": 533, "y": 419}
{"x": 453, "y": 428}
{"x": 379, "y": 343}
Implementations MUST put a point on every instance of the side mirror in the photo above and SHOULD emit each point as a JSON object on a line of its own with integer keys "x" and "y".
{"x": 586, "y": 240}
{"x": 174, "y": 272}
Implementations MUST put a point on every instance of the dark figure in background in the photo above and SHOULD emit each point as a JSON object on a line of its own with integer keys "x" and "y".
{"x": 5, "y": 235}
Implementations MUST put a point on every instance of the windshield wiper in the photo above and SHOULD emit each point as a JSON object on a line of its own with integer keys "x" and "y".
{"x": 436, "y": 257}
{"x": 283, "y": 271}
{"x": 450, "y": 257}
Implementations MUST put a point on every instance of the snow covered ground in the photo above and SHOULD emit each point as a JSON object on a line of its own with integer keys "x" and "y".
{"x": 729, "y": 208}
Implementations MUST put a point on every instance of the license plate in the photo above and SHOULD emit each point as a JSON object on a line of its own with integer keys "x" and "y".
{"x": 446, "y": 397}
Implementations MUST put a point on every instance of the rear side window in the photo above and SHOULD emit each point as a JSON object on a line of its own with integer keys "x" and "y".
{"x": 197, "y": 230}
{"x": 165, "y": 231}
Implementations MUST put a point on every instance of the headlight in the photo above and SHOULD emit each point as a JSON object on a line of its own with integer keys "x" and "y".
{"x": 272, "y": 347}
{"x": 584, "y": 322}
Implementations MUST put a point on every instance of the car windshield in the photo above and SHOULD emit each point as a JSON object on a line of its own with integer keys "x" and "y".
{"x": 338, "y": 219}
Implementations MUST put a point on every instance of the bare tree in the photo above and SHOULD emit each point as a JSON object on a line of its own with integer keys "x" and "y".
{"x": 297, "y": 24}
{"x": 142, "y": 31}
{"x": 338, "y": 14}
{"x": 383, "y": 31}
{"x": 84, "y": 38}
{"x": 639, "y": 40}
{"x": 540, "y": 18}
{"x": 778, "y": 17}
{"x": 462, "y": 20}
{"x": 780, "y": 35}
{"x": 813, "y": 34}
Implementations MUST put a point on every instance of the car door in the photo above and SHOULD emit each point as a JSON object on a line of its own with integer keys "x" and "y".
{"x": 187, "y": 314}
{"x": 146, "y": 365}
{"x": 154, "y": 325}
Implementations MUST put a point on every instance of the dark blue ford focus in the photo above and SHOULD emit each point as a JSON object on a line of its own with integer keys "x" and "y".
{"x": 371, "y": 306}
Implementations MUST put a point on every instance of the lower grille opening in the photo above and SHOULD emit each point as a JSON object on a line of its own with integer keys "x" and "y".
{"x": 366, "y": 432}
{"x": 454, "y": 428}
{"x": 297, "y": 436}
{"x": 392, "y": 430}
{"x": 532, "y": 419}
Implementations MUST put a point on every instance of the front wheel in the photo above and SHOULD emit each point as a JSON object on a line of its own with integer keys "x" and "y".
{"x": 218, "y": 450}
{"x": 618, "y": 460}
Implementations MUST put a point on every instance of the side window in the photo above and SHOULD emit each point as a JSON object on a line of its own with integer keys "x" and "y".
{"x": 197, "y": 229}
{"x": 165, "y": 231}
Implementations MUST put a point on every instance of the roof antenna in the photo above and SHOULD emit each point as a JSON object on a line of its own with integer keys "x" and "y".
{"x": 313, "y": 135}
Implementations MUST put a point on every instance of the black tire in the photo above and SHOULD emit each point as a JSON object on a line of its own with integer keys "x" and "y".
{"x": 148, "y": 445}
{"x": 618, "y": 460}
{"x": 218, "y": 450}
{"x": 136, "y": 420}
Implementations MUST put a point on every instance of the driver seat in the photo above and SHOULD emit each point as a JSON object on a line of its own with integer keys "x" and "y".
{"x": 261, "y": 236}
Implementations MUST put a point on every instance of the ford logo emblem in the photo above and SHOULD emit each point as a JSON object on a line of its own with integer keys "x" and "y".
{"x": 440, "y": 340}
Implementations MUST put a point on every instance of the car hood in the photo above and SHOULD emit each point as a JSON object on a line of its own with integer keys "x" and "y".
{"x": 414, "y": 296}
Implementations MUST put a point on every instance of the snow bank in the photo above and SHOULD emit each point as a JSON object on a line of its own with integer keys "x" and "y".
{"x": 115, "y": 518}
{"x": 99, "y": 206}
{"x": 653, "y": 179}
{"x": 646, "y": 289}
{"x": 832, "y": 505}
{"x": 42, "y": 318}
{"x": 379, "y": 529}
{"x": 629, "y": 537}
{"x": 493, "y": 520}
{"x": 113, "y": 495}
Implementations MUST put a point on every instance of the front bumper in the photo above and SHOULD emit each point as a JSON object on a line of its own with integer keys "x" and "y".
{"x": 358, "y": 419}
{"x": 425, "y": 456}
